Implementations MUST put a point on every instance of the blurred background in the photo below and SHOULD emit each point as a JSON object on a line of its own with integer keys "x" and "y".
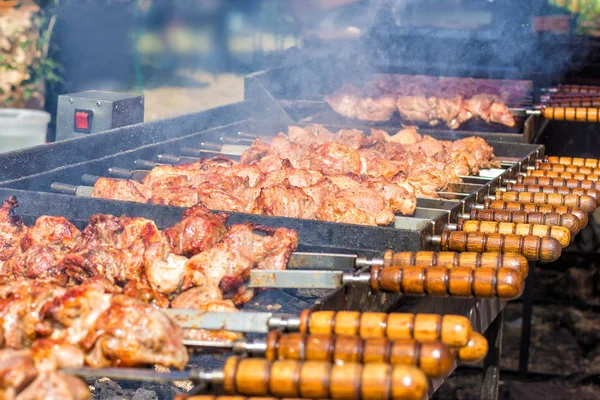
{"x": 188, "y": 55}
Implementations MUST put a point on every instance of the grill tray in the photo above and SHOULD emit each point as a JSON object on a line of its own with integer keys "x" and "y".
{"x": 350, "y": 297}
{"x": 409, "y": 233}
{"x": 296, "y": 93}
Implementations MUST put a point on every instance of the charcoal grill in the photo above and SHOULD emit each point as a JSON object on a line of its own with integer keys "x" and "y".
{"x": 29, "y": 174}
{"x": 295, "y": 93}
{"x": 281, "y": 302}
{"x": 41, "y": 172}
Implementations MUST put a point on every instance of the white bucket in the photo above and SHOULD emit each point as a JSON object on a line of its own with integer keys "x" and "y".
{"x": 22, "y": 128}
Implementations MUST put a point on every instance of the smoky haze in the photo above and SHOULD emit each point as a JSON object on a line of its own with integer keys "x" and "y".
{"x": 472, "y": 38}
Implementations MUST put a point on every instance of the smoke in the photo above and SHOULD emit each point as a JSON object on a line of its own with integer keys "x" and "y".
{"x": 488, "y": 39}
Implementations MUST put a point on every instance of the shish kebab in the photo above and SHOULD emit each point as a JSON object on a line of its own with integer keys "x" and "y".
{"x": 512, "y": 265}
{"x": 421, "y": 273}
{"x": 301, "y": 138}
{"x": 293, "y": 379}
{"x": 54, "y": 315}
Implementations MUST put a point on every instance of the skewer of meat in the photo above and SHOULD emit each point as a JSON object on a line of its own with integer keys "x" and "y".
{"x": 431, "y": 100}
{"x": 148, "y": 263}
{"x": 315, "y": 174}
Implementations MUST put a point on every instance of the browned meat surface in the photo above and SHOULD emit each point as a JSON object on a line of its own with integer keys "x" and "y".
{"x": 350, "y": 102}
{"x": 335, "y": 158}
{"x": 334, "y": 209}
{"x": 294, "y": 174}
{"x": 431, "y": 100}
{"x": 131, "y": 255}
{"x": 107, "y": 327}
{"x": 198, "y": 230}
{"x": 12, "y": 230}
{"x": 368, "y": 201}
{"x": 227, "y": 264}
{"x": 33, "y": 374}
{"x": 286, "y": 201}
{"x": 119, "y": 189}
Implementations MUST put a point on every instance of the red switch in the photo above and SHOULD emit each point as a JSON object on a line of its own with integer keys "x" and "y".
{"x": 83, "y": 121}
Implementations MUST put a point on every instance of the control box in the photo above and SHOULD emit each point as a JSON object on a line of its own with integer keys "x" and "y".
{"x": 94, "y": 111}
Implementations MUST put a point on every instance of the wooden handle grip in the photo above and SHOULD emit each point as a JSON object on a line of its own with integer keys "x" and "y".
{"x": 505, "y": 283}
{"x": 208, "y": 397}
{"x": 564, "y": 175}
{"x": 588, "y": 162}
{"x": 452, "y": 259}
{"x": 557, "y": 182}
{"x": 323, "y": 380}
{"x": 578, "y": 89}
{"x": 580, "y": 114}
{"x": 575, "y": 102}
{"x": 453, "y": 330}
{"x": 557, "y": 232}
{"x": 586, "y": 203}
{"x": 519, "y": 187}
{"x": 567, "y": 168}
{"x": 568, "y": 221}
{"x": 534, "y": 248}
{"x": 432, "y": 357}
{"x": 543, "y": 208}
{"x": 475, "y": 350}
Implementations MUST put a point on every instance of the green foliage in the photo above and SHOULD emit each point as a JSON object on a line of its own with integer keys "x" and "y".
{"x": 42, "y": 70}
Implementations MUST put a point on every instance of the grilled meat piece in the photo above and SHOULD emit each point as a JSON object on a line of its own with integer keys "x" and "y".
{"x": 198, "y": 230}
{"x": 369, "y": 201}
{"x": 33, "y": 374}
{"x": 286, "y": 177}
{"x": 334, "y": 209}
{"x": 227, "y": 264}
{"x": 286, "y": 201}
{"x": 132, "y": 255}
{"x": 335, "y": 158}
{"x": 12, "y": 230}
{"x": 351, "y": 103}
{"x": 110, "y": 328}
{"x": 119, "y": 189}
{"x": 451, "y": 101}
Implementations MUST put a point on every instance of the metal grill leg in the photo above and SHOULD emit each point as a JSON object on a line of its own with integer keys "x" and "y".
{"x": 491, "y": 363}
{"x": 525, "y": 340}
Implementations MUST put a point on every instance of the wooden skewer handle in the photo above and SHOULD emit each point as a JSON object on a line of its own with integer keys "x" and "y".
{"x": 519, "y": 187}
{"x": 568, "y": 168}
{"x": 556, "y": 182}
{"x": 432, "y": 357}
{"x": 578, "y": 89}
{"x": 504, "y": 283}
{"x": 208, "y": 397}
{"x": 557, "y": 232}
{"x": 568, "y": 221}
{"x": 543, "y": 208}
{"x": 475, "y": 350}
{"x": 580, "y": 114}
{"x": 588, "y": 162}
{"x": 586, "y": 203}
{"x": 563, "y": 174}
{"x": 323, "y": 380}
{"x": 575, "y": 102}
{"x": 452, "y": 259}
{"x": 534, "y": 248}
{"x": 453, "y": 330}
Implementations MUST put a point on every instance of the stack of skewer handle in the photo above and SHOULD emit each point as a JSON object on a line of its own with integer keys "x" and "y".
{"x": 571, "y": 103}
{"x": 352, "y": 355}
{"x": 536, "y": 215}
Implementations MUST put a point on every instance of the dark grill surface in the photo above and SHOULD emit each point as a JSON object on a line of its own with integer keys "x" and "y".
{"x": 412, "y": 234}
{"x": 28, "y": 175}
{"x": 297, "y": 93}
